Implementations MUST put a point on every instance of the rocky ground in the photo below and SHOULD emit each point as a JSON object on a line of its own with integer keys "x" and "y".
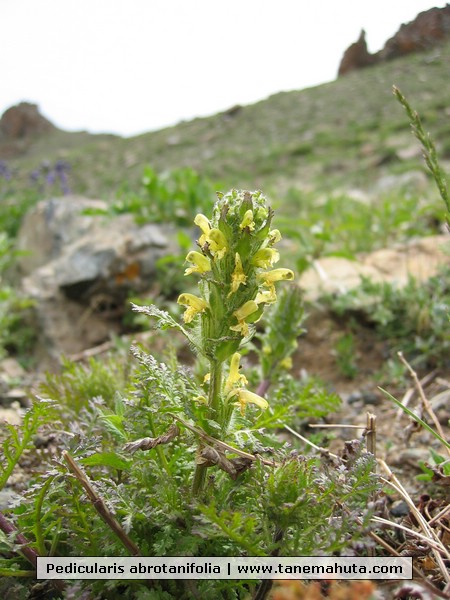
{"x": 79, "y": 267}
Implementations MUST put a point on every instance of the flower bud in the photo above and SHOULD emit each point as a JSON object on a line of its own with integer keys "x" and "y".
{"x": 265, "y": 258}
{"x": 248, "y": 222}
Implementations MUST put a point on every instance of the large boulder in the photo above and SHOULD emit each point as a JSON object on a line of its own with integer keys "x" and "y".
{"x": 80, "y": 266}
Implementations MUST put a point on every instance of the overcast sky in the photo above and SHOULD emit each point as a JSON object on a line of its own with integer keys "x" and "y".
{"x": 131, "y": 66}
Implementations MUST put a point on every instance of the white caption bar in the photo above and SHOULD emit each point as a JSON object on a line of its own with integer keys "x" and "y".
{"x": 181, "y": 567}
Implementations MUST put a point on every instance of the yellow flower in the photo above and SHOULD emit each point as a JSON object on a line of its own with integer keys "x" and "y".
{"x": 238, "y": 276}
{"x": 213, "y": 237}
{"x": 269, "y": 277}
{"x": 194, "y": 305}
{"x": 202, "y": 222}
{"x": 286, "y": 363}
{"x": 217, "y": 243}
{"x": 247, "y": 221}
{"x": 245, "y": 397}
{"x": 201, "y": 263}
{"x": 268, "y": 280}
{"x": 274, "y": 236}
{"x": 266, "y": 296}
{"x": 266, "y": 257}
{"x": 234, "y": 377}
{"x": 241, "y": 314}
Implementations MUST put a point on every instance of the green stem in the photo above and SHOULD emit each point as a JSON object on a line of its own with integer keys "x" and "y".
{"x": 40, "y": 541}
{"x": 215, "y": 414}
{"x": 29, "y": 430}
{"x": 159, "y": 450}
{"x": 199, "y": 480}
{"x": 215, "y": 389}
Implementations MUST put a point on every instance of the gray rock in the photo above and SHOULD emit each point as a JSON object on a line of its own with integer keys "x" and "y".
{"x": 52, "y": 225}
{"x": 79, "y": 270}
{"x": 420, "y": 259}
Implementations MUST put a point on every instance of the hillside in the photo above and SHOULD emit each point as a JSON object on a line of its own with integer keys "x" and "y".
{"x": 346, "y": 133}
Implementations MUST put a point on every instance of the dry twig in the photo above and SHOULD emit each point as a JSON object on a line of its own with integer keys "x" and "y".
{"x": 100, "y": 506}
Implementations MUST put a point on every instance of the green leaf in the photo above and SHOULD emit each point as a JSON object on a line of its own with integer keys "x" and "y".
{"x": 114, "y": 423}
{"x": 438, "y": 459}
{"x": 107, "y": 459}
{"x": 165, "y": 321}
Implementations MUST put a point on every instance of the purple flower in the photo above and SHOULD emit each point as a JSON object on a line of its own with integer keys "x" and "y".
{"x": 4, "y": 171}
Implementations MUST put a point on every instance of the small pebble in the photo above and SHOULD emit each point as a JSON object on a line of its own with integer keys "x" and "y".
{"x": 399, "y": 509}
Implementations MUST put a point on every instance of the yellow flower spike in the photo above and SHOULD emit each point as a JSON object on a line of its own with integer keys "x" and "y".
{"x": 265, "y": 258}
{"x": 194, "y": 305}
{"x": 241, "y": 314}
{"x": 207, "y": 378}
{"x": 269, "y": 277}
{"x": 245, "y": 397}
{"x": 218, "y": 243}
{"x": 201, "y": 263}
{"x": 238, "y": 276}
{"x": 247, "y": 221}
{"x": 234, "y": 377}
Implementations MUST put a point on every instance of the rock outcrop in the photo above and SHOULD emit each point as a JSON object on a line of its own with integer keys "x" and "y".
{"x": 20, "y": 125}
{"x": 427, "y": 30}
{"x": 80, "y": 269}
{"x": 356, "y": 56}
{"x": 22, "y": 121}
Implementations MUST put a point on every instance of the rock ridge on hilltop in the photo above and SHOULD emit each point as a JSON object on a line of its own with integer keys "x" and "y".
{"x": 19, "y": 126}
{"x": 428, "y": 29}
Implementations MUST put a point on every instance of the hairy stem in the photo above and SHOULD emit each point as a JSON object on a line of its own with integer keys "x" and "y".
{"x": 215, "y": 412}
